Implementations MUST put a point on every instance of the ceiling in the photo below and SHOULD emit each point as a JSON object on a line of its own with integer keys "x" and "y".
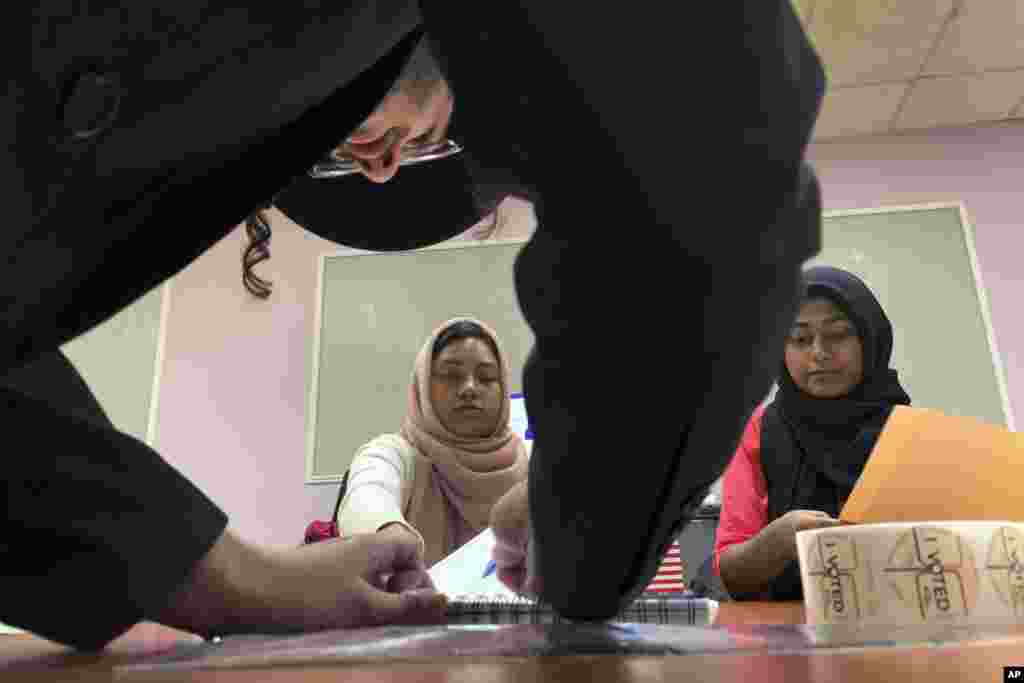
{"x": 896, "y": 65}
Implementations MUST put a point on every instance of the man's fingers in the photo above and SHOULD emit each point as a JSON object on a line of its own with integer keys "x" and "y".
{"x": 511, "y": 523}
{"x": 505, "y": 555}
{"x": 373, "y": 149}
{"x": 534, "y": 585}
{"x": 419, "y": 606}
{"x": 379, "y": 581}
{"x": 513, "y": 578}
{"x": 386, "y": 554}
{"x": 510, "y": 518}
{"x": 519, "y": 580}
{"x": 409, "y": 579}
{"x": 390, "y": 562}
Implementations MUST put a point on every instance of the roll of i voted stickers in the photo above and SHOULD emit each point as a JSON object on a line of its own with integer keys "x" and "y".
{"x": 921, "y": 572}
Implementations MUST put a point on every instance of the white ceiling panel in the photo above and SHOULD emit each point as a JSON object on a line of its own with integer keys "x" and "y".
{"x": 872, "y": 41}
{"x": 986, "y": 34}
{"x": 859, "y": 111}
{"x": 956, "y": 100}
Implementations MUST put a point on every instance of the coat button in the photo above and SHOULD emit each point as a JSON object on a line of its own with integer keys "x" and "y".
{"x": 91, "y": 105}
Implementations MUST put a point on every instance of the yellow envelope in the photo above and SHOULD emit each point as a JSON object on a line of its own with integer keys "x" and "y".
{"x": 928, "y": 466}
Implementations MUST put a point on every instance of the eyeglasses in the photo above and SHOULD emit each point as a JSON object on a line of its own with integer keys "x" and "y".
{"x": 338, "y": 165}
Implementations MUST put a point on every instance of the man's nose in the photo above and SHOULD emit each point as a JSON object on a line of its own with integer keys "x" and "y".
{"x": 381, "y": 169}
{"x": 382, "y": 163}
{"x": 820, "y": 349}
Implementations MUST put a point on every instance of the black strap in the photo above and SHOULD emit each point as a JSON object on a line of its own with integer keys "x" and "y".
{"x": 341, "y": 494}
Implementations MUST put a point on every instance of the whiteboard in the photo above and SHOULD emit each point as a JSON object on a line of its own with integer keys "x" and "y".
{"x": 921, "y": 265}
{"x": 375, "y": 310}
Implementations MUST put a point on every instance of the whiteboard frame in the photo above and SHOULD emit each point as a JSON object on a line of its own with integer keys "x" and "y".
{"x": 979, "y": 284}
{"x": 311, "y": 413}
{"x": 158, "y": 365}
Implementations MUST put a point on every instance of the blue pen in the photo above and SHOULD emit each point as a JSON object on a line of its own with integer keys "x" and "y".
{"x": 491, "y": 566}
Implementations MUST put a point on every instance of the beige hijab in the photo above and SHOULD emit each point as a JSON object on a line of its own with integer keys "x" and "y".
{"x": 457, "y": 479}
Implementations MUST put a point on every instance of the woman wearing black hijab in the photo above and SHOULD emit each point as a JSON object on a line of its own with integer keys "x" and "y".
{"x": 801, "y": 455}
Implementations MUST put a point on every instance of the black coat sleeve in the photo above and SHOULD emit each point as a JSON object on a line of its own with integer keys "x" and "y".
{"x": 665, "y": 144}
{"x": 98, "y": 530}
{"x": 87, "y": 544}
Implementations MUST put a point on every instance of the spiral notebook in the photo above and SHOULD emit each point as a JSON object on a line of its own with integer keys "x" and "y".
{"x": 478, "y": 599}
{"x": 650, "y": 608}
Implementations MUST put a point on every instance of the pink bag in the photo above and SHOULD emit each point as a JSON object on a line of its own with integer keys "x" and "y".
{"x": 319, "y": 530}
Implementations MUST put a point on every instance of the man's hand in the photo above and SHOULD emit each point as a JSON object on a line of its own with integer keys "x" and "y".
{"x": 510, "y": 521}
{"x": 364, "y": 580}
{"x": 401, "y": 534}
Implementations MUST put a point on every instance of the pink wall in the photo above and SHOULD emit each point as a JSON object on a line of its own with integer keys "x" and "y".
{"x": 232, "y": 400}
{"x": 981, "y": 166}
{"x": 237, "y": 370}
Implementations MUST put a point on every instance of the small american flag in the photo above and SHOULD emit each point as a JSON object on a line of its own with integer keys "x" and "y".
{"x": 670, "y": 574}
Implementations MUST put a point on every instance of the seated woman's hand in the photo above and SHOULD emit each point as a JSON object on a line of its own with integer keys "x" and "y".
{"x": 510, "y": 521}
{"x": 786, "y": 527}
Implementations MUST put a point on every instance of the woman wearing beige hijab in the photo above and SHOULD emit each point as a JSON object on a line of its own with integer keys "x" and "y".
{"x": 454, "y": 457}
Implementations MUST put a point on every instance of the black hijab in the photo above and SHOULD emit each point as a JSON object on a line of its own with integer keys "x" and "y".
{"x": 814, "y": 449}
{"x": 836, "y": 435}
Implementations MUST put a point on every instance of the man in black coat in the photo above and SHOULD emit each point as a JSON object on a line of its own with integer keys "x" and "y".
{"x": 138, "y": 135}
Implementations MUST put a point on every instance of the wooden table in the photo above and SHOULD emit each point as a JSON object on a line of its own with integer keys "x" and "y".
{"x": 29, "y": 659}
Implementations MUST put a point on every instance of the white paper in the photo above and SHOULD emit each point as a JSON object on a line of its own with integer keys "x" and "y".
{"x": 461, "y": 573}
{"x": 517, "y": 418}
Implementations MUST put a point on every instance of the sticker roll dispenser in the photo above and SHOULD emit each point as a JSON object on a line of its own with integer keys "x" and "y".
{"x": 950, "y": 572}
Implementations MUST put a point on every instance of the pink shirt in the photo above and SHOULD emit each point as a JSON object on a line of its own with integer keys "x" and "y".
{"x": 744, "y": 492}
